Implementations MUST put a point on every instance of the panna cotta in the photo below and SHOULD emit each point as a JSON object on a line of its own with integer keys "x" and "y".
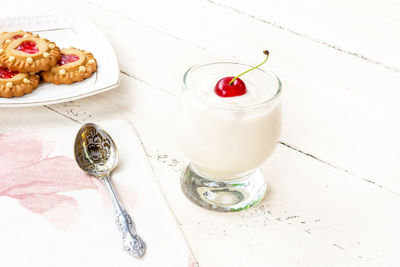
{"x": 227, "y": 137}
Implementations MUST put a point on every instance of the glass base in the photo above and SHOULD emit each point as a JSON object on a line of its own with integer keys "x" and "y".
{"x": 232, "y": 195}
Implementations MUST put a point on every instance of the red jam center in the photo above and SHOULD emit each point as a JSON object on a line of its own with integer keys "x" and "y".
{"x": 17, "y": 37}
{"x": 28, "y": 47}
{"x": 7, "y": 74}
{"x": 65, "y": 59}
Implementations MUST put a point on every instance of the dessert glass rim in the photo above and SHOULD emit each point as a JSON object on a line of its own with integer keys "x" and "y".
{"x": 262, "y": 104}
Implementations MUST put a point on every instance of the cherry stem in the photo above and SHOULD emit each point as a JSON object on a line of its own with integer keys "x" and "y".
{"x": 266, "y": 53}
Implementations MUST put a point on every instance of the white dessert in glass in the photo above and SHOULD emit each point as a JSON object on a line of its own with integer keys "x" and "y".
{"x": 227, "y": 138}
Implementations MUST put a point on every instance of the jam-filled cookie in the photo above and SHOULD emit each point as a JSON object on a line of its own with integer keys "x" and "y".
{"x": 14, "y": 83}
{"x": 29, "y": 54}
{"x": 74, "y": 65}
{"x": 13, "y": 35}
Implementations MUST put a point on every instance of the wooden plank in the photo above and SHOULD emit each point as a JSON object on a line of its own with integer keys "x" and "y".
{"x": 17, "y": 119}
{"x": 366, "y": 29}
{"x": 293, "y": 230}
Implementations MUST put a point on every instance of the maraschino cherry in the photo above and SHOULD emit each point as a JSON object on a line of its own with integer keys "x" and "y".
{"x": 233, "y": 86}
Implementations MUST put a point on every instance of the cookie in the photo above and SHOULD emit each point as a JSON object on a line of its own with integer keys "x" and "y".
{"x": 75, "y": 65}
{"x": 14, "y": 83}
{"x": 13, "y": 35}
{"x": 29, "y": 54}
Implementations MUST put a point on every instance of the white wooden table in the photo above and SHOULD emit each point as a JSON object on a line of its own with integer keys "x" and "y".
{"x": 334, "y": 179}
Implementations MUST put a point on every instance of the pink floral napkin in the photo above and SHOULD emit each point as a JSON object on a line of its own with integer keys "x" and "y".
{"x": 53, "y": 214}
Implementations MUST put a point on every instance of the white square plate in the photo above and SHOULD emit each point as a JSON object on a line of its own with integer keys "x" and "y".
{"x": 66, "y": 31}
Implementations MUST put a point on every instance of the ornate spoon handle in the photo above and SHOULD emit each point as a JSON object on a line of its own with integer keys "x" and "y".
{"x": 131, "y": 241}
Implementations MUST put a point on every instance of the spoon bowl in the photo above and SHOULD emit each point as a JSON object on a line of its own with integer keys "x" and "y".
{"x": 95, "y": 150}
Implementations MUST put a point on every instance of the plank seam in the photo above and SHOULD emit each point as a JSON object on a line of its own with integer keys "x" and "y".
{"x": 143, "y": 25}
{"x": 336, "y": 167}
{"x": 58, "y": 112}
{"x": 133, "y": 76}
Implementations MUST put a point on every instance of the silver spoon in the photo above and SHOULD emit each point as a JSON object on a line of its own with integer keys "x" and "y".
{"x": 96, "y": 154}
